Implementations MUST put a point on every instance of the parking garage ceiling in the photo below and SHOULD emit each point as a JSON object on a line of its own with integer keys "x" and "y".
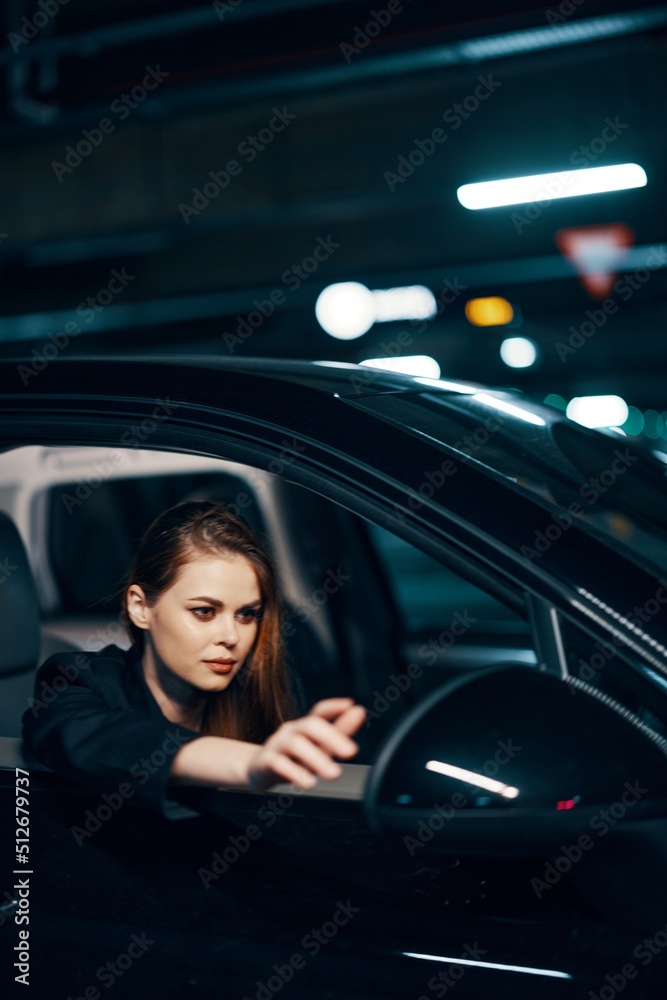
{"x": 214, "y": 155}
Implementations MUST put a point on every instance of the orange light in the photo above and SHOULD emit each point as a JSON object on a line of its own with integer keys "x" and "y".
{"x": 489, "y": 311}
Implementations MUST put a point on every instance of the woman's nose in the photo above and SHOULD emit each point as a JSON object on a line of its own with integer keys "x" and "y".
{"x": 229, "y": 633}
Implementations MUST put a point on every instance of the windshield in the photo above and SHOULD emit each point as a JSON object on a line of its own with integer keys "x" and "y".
{"x": 610, "y": 484}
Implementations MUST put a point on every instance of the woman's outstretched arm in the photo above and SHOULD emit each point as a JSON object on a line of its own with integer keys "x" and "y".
{"x": 299, "y": 752}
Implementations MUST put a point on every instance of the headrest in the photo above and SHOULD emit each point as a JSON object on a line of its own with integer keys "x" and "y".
{"x": 20, "y": 636}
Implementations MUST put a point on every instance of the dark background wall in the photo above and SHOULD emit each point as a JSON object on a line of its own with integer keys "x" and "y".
{"x": 114, "y": 114}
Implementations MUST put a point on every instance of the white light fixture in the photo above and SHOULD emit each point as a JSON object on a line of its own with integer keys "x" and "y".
{"x": 518, "y": 352}
{"x": 553, "y": 973}
{"x": 348, "y": 309}
{"x": 345, "y": 310}
{"x": 411, "y": 364}
{"x": 598, "y": 411}
{"x": 411, "y": 302}
{"x": 547, "y": 187}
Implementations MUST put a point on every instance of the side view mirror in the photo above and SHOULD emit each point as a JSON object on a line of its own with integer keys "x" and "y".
{"x": 514, "y": 762}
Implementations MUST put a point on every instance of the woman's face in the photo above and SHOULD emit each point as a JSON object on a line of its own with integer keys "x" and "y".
{"x": 210, "y": 613}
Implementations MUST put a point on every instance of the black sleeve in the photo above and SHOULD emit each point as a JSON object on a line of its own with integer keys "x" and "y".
{"x": 113, "y": 750}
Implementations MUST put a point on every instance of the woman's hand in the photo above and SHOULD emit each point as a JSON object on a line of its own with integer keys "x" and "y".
{"x": 302, "y": 750}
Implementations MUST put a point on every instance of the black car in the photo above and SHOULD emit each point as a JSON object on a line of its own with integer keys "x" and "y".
{"x": 488, "y": 578}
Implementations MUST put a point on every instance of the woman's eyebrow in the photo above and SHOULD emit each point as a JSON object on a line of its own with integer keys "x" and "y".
{"x": 219, "y": 604}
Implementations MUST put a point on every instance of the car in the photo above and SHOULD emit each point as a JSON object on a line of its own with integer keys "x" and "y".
{"x": 484, "y": 575}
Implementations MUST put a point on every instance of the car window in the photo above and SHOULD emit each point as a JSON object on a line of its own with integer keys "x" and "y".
{"x": 616, "y": 673}
{"x": 427, "y": 592}
{"x": 444, "y": 623}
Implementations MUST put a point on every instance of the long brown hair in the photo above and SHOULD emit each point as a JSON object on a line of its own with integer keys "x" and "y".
{"x": 258, "y": 698}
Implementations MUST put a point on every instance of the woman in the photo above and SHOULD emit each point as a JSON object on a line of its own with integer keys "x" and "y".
{"x": 203, "y": 695}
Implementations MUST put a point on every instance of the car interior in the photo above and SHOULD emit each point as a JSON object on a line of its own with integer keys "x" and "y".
{"x": 70, "y": 520}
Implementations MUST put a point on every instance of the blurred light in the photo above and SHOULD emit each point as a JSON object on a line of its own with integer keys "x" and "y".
{"x": 547, "y": 187}
{"x": 412, "y": 302}
{"x": 345, "y": 310}
{"x": 553, "y": 399}
{"x": 412, "y": 364}
{"x": 473, "y": 778}
{"x": 598, "y": 411}
{"x": 518, "y": 352}
{"x": 489, "y": 311}
{"x": 572, "y": 33}
{"x": 511, "y": 408}
{"x": 653, "y": 424}
{"x": 634, "y": 423}
{"x": 348, "y": 309}
{"x": 488, "y": 965}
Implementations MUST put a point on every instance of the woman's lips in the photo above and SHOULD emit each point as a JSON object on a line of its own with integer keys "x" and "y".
{"x": 220, "y": 666}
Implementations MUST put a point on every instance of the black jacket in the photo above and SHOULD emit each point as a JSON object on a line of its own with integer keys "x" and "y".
{"x": 94, "y": 720}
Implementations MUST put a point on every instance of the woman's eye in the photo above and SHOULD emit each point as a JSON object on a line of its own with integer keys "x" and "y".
{"x": 249, "y": 614}
{"x": 206, "y": 611}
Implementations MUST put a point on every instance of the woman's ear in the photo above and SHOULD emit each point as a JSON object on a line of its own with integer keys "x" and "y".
{"x": 137, "y": 606}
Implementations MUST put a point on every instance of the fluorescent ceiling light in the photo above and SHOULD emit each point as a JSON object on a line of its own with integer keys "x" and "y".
{"x": 348, "y": 309}
{"x": 598, "y": 411}
{"x": 518, "y": 352}
{"x": 489, "y": 965}
{"x": 412, "y": 302}
{"x": 547, "y": 187}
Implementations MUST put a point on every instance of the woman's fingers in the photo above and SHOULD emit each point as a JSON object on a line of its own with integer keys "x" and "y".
{"x": 342, "y": 713}
{"x": 351, "y": 719}
{"x": 277, "y": 766}
{"x": 326, "y": 735}
{"x": 302, "y": 750}
{"x": 330, "y": 708}
{"x": 305, "y": 752}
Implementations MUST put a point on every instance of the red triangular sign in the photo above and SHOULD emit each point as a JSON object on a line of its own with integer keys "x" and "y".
{"x": 596, "y": 252}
